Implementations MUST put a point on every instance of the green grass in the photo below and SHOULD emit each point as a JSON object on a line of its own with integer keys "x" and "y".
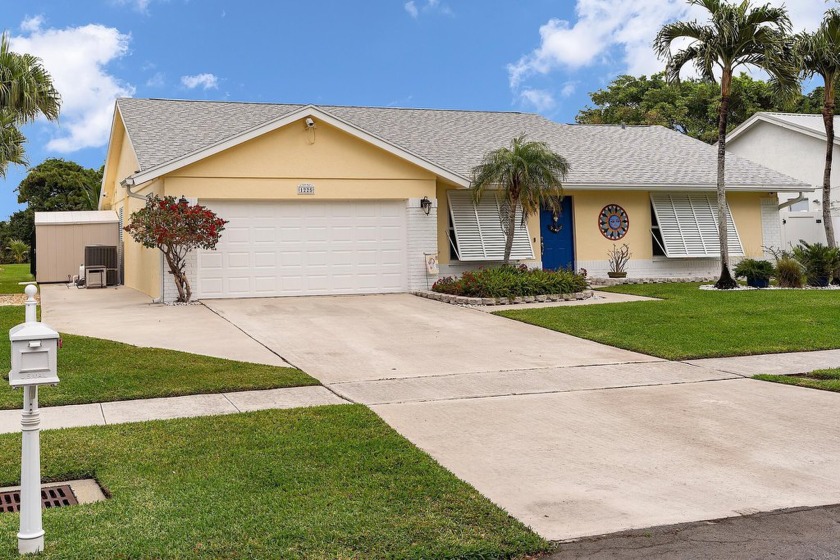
{"x": 10, "y": 275}
{"x": 692, "y": 323}
{"x": 328, "y": 483}
{"x": 824, "y": 379}
{"x": 96, "y": 370}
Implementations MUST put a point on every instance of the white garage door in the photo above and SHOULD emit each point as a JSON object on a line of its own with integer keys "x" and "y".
{"x": 305, "y": 248}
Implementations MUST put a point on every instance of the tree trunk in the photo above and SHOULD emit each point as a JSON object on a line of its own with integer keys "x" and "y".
{"x": 176, "y": 269}
{"x": 725, "y": 282}
{"x": 510, "y": 230}
{"x": 828, "y": 120}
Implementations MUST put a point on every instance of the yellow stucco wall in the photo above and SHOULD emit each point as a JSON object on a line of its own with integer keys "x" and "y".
{"x": 271, "y": 166}
{"x": 142, "y": 265}
{"x": 590, "y": 245}
{"x": 533, "y": 223}
{"x": 746, "y": 213}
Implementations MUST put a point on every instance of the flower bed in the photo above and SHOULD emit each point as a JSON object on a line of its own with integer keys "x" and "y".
{"x": 511, "y": 282}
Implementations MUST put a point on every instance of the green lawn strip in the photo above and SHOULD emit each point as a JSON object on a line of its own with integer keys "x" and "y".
{"x": 691, "y": 323}
{"x": 96, "y": 370}
{"x": 10, "y": 275}
{"x": 824, "y": 379}
{"x": 325, "y": 482}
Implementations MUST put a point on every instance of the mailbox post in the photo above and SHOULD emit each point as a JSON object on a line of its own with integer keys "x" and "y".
{"x": 34, "y": 349}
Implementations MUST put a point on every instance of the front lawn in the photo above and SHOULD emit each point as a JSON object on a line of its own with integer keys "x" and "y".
{"x": 96, "y": 370}
{"x": 691, "y": 323}
{"x": 825, "y": 379}
{"x": 11, "y": 275}
{"x": 326, "y": 482}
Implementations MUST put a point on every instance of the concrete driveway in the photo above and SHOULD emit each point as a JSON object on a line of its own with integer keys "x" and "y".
{"x": 365, "y": 338}
{"x": 126, "y": 315}
{"x": 572, "y": 437}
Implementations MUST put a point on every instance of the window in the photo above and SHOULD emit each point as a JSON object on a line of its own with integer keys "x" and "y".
{"x": 478, "y": 229}
{"x": 686, "y": 224}
{"x": 656, "y": 235}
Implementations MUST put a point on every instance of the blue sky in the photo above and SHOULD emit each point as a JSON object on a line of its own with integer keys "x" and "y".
{"x": 537, "y": 55}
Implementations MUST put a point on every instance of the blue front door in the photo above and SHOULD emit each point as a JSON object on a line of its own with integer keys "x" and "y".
{"x": 558, "y": 237}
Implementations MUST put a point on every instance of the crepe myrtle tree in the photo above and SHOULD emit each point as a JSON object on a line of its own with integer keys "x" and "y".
{"x": 176, "y": 227}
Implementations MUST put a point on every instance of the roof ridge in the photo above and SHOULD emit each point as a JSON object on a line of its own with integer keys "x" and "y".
{"x": 275, "y": 104}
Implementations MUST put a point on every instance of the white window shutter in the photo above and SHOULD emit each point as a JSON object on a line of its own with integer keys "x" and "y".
{"x": 478, "y": 229}
{"x": 688, "y": 224}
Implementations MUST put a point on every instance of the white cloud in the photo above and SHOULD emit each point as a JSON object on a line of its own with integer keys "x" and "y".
{"x": 141, "y": 6}
{"x": 205, "y": 81}
{"x": 76, "y": 58}
{"x": 32, "y": 23}
{"x": 539, "y": 99}
{"x": 415, "y": 10}
{"x": 619, "y": 34}
{"x": 156, "y": 81}
{"x": 568, "y": 89}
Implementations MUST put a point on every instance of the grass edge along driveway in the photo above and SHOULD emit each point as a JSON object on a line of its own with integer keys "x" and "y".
{"x": 690, "y": 323}
{"x": 822, "y": 379}
{"x": 96, "y": 370}
{"x": 323, "y": 482}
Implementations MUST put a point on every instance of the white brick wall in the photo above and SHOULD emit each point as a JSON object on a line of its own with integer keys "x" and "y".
{"x": 170, "y": 291}
{"x": 771, "y": 225}
{"x": 658, "y": 267}
{"x": 422, "y": 238}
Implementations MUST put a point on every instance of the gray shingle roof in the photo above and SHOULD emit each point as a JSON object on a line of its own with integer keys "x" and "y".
{"x": 163, "y": 130}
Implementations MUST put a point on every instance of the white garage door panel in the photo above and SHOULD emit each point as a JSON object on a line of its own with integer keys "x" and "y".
{"x": 306, "y": 248}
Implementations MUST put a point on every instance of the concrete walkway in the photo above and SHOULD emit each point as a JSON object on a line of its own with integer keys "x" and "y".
{"x": 780, "y": 364}
{"x": 128, "y": 316}
{"x": 120, "y": 412}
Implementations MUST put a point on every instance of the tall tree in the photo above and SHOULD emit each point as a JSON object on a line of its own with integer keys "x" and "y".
{"x": 735, "y": 35}
{"x": 818, "y": 54}
{"x": 26, "y": 92}
{"x": 528, "y": 174}
{"x": 690, "y": 106}
{"x": 58, "y": 184}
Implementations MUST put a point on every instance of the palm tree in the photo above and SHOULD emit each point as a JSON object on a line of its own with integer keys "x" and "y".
{"x": 26, "y": 91}
{"x": 818, "y": 53}
{"x": 528, "y": 175}
{"x": 18, "y": 249}
{"x": 736, "y": 35}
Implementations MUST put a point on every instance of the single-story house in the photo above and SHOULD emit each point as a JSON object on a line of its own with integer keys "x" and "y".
{"x": 354, "y": 200}
{"x": 793, "y": 144}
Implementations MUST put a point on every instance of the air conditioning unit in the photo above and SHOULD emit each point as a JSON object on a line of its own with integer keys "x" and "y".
{"x": 101, "y": 266}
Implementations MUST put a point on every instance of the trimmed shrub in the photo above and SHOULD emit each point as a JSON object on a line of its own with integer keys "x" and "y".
{"x": 511, "y": 281}
{"x": 821, "y": 262}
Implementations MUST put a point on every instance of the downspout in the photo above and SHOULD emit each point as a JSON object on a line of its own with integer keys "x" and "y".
{"x": 127, "y": 184}
{"x": 792, "y": 201}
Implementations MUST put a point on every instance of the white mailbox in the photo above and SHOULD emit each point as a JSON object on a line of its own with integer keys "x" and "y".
{"x": 34, "y": 355}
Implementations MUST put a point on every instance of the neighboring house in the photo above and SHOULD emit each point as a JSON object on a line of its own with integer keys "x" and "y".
{"x": 348, "y": 200}
{"x": 793, "y": 144}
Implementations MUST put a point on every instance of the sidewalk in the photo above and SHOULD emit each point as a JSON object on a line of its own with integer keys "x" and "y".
{"x": 119, "y": 412}
{"x": 776, "y": 364}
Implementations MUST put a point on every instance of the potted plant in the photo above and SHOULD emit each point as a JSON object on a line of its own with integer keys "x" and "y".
{"x": 821, "y": 263}
{"x": 618, "y": 257}
{"x": 756, "y": 272}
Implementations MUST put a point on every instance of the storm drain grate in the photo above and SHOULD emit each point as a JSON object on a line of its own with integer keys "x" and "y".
{"x": 51, "y": 497}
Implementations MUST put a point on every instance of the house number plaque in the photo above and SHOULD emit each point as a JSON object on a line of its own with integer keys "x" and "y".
{"x": 306, "y": 188}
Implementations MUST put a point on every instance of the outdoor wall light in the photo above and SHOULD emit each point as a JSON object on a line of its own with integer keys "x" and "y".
{"x": 426, "y": 205}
